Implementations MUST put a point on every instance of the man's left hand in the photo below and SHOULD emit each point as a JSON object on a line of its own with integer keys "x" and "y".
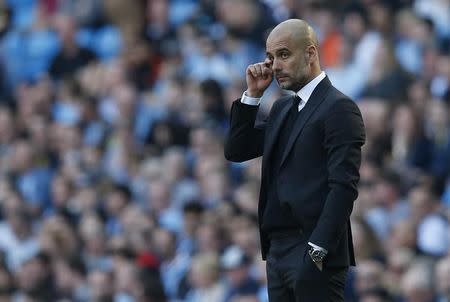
{"x": 317, "y": 255}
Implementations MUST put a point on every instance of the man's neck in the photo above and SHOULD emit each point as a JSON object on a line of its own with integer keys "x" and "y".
{"x": 314, "y": 74}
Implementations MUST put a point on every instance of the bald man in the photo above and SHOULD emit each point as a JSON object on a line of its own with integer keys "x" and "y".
{"x": 311, "y": 147}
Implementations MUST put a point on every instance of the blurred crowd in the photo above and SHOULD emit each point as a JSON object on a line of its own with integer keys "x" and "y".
{"x": 113, "y": 183}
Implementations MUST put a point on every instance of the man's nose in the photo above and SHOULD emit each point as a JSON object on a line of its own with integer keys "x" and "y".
{"x": 276, "y": 66}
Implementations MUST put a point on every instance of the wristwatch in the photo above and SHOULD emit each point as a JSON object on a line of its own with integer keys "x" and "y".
{"x": 317, "y": 254}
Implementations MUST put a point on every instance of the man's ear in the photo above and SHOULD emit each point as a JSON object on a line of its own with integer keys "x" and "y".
{"x": 311, "y": 53}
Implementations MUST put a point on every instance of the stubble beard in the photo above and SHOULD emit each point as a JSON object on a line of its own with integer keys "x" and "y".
{"x": 297, "y": 83}
{"x": 287, "y": 84}
{"x": 292, "y": 86}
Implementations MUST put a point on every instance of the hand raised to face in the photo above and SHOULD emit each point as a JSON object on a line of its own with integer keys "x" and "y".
{"x": 258, "y": 77}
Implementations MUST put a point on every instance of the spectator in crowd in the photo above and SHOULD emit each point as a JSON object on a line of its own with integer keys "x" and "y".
{"x": 192, "y": 217}
{"x": 416, "y": 284}
{"x": 205, "y": 279}
{"x": 71, "y": 57}
{"x": 57, "y": 239}
{"x": 174, "y": 265}
{"x": 431, "y": 225}
{"x": 367, "y": 244}
{"x": 410, "y": 147}
{"x": 386, "y": 73}
{"x": 93, "y": 237}
{"x": 35, "y": 277}
{"x": 31, "y": 179}
{"x": 17, "y": 241}
{"x": 236, "y": 263}
{"x": 70, "y": 279}
{"x": 28, "y": 48}
{"x": 115, "y": 202}
{"x": 436, "y": 123}
{"x": 388, "y": 206}
{"x": 369, "y": 276}
{"x": 442, "y": 275}
{"x": 7, "y": 284}
{"x": 100, "y": 286}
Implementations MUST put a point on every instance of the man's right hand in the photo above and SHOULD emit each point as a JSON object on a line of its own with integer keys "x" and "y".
{"x": 258, "y": 76}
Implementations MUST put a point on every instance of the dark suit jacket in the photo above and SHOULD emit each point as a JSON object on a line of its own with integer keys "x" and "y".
{"x": 319, "y": 170}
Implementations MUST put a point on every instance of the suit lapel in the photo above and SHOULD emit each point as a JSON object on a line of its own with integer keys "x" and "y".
{"x": 272, "y": 135}
{"x": 314, "y": 101}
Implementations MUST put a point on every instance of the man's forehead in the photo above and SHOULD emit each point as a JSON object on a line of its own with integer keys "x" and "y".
{"x": 276, "y": 42}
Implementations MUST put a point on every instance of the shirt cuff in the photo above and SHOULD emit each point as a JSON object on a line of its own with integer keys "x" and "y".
{"x": 317, "y": 247}
{"x": 249, "y": 100}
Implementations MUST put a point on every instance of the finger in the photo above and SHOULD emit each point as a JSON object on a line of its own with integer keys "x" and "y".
{"x": 258, "y": 68}
{"x": 253, "y": 71}
{"x": 267, "y": 72}
{"x": 268, "y": 63}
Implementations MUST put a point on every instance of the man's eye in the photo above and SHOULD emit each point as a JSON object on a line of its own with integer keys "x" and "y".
{"x": 284, "y": 55}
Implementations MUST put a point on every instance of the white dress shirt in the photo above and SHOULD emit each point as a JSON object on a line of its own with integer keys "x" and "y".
{"x": 304, "y": 93}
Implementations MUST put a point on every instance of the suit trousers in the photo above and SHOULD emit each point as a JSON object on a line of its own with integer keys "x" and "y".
{"x": 293, "y": 276}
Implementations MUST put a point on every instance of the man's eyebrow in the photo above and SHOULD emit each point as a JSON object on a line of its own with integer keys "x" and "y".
{"x": 282, "y": 49}
{"x": 278, "y": 51}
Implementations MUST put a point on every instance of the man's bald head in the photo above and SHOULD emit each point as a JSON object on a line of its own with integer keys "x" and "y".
{"x": 296, "y": 29}
{"x": 293, "y": 54}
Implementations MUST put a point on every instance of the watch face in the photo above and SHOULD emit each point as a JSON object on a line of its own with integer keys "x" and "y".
{"x": 317, "y": 255}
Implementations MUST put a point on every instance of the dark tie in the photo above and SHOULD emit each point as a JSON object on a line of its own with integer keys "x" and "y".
{"x": 296, "y": 103}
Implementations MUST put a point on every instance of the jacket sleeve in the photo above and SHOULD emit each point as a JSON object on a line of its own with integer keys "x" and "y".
{"x": 244, "y": 141}
{"x": 344, "y": 136}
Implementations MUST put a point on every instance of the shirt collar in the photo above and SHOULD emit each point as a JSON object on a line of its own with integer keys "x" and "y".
{"x": 307, "y": 90}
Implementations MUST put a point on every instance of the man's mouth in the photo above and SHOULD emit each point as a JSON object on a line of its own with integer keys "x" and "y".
{"x": 281, "y": 77}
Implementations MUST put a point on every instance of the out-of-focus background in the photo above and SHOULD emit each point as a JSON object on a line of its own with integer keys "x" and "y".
{"x": 113, "y": 183}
